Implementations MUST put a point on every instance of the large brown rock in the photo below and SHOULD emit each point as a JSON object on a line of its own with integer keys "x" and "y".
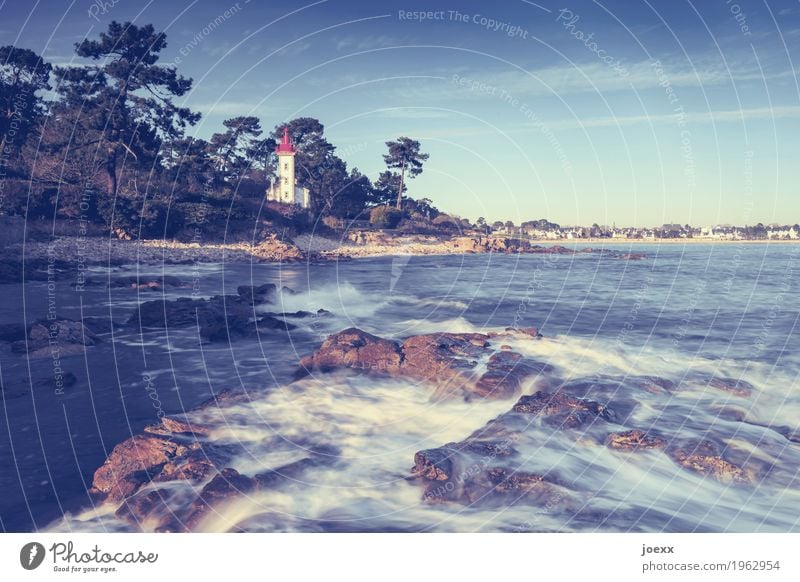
{"x": 166, "y": 452}
{"x": 354, "y": 348}
{"x": 134, "y": 463}
{"x": 448, "y": 361}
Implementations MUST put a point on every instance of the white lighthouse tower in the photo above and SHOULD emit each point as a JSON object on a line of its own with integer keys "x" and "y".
{"x": 285, "y": 189}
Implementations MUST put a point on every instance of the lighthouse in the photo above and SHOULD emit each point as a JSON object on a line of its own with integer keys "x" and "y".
{"x": 285, "y": 190}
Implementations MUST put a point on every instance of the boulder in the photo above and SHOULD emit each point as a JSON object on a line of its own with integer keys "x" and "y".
{"x": 257, "y": 295}
{"x": 64, "y": 336}
{"x": 634, "y": 440}
{"x": 562, "y": 410}
{"x": 449, "y": 361}
{"x": 220, "y": 318}
{"x": 706, "y": 458}
{"x": 505, "y": 374}
{"x": 168, "y": 451}
{"x": 134, "y": 463}
{"x": 357, "y": 349}
{"x": 732, "y": 386}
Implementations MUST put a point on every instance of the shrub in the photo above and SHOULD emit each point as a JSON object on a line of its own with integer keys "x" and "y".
{"x": 385, "y": 216}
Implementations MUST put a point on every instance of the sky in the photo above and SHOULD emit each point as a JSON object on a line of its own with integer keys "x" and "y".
{"x": 612, "y": 112}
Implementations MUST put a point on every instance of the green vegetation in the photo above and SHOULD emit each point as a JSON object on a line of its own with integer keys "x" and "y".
{"x": 106, "y": 142}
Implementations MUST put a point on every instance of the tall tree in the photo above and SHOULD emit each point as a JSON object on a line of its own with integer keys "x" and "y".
{"x": 405, "y": 156}
{"x": 131, "y": 99}
{"x": 233, "y": 150}
{"x": 386, "y": 187}
{"x": 350, "y": 200}
{"x": 23, "y": 74}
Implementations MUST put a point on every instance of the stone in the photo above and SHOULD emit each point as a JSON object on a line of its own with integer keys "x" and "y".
{"x": 257, "y": 295}
{"x": 134, "y": 463}
{"x": 357, "y": 349}
{"x": 732, "y": 386}
{"x": 705, "y": 457}
{"x": 61, "y": 336}
{"x": 634, "y": 440}
{"x": 562, "y": 410}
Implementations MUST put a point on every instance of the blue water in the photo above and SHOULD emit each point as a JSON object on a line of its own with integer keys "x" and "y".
{"x": 682, "y": 313}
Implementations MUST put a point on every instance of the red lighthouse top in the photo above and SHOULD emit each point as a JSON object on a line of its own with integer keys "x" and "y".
{"x": 286, "y": 146}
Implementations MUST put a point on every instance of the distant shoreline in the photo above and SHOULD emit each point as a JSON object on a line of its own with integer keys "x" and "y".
{"x": 103, "y": 251}
{"x": 658, "y": 241}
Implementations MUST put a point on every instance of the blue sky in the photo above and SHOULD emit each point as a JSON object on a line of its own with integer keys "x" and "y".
{"x": 626, "y": 112}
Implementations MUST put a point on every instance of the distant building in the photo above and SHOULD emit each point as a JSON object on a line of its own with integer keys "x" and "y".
{"x": 285, "y": 190}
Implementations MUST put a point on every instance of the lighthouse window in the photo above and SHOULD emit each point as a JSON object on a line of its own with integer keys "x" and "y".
{"x": 285, "y": 166}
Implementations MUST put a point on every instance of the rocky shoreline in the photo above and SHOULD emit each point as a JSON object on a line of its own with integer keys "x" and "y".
{"x": 65, "y": 251}
{"x": 486, "y": 469}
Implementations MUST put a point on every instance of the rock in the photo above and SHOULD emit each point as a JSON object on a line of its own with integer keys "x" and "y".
{"x": 434, "y": 464}
{"x": 221, "y": 318}
{"x": 705, "y": 457}
{"x": 447, "y": 360}
{"x": 354, "y": 348}
{"x": 562, "y": 410}
{"x": 173, "y": 426}
{"x": 301, "y": 314}
{"x": 134, "y": 463}
{"x": 142, "y": 282}
{"x": 61, "y": 336}
{"x": 274, "y": 249}
{"x": 226, "y": 485}
{"x": 268, "y": 322}
{"x": 195, "y": 465}
{"x": 732, "y": 386}
{"x": 506, "y": 371}
{"x": 144, "y": 505}
{"x": 167, "y": 451}
{"x": 634, "y": 440}
{"x": 259, "y": 295}
{"x": 475, "y": 473}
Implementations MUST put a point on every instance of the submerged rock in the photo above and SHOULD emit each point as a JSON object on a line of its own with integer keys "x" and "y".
{"x": 732, "y": 386}
{"x": 477, "y": 472}
{"x": 563, "y": 410}
{"x": 220, "y": 318}
{"x": 257, "y": 295}
{"x": 706, "y": 458}
{"x": 58, "y": 337}
{"x": 634, "y": 440}
{"x": 143, "y": 282}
